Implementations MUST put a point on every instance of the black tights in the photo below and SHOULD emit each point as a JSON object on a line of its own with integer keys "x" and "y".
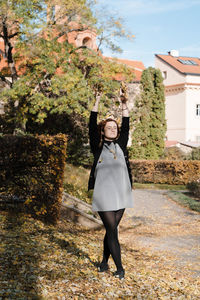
{"x": 111, "y": 221}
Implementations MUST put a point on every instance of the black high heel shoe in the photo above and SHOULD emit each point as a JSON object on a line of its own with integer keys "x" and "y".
{"x": 103, "y": 267}
{"x": 119, "y": 274}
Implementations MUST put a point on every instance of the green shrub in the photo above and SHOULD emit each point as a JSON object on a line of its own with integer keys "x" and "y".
{"x": 194, "y": 187}
{"x": 195, "y": 154}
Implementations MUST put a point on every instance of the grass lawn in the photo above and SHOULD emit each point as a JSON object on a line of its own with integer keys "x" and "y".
{"x": 185, "y": 199}
{"x": 158, "y": 186}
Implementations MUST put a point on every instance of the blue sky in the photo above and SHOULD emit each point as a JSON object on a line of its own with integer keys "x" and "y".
{"x": 159, "y": 26}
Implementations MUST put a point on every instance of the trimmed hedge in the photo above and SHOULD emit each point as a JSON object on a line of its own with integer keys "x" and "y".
{"x": 31, "y": 174}
{"x": 165, "y": 171}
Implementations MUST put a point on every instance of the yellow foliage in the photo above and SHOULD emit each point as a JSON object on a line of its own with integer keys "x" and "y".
{"x": 165, "y": 171}
{"x": 28, "y": 201}
{"x": 41, "y": 161}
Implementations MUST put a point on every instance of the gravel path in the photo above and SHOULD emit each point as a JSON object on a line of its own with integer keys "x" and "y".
{"x": 160, "y": 225}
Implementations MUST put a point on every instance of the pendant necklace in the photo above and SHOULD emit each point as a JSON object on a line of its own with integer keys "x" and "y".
{"x": 112, "y": 151}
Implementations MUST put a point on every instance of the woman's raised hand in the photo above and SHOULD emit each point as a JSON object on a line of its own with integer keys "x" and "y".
{"x": 123, "y": 98}
{"x": 98, "y": 98}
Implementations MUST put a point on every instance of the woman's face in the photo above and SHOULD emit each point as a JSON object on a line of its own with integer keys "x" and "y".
{"x": 110, "y": 131}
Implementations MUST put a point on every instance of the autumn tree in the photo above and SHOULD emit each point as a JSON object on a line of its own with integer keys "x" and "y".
{"x": 149, "y": 117}
{"x": 53, "y": 75}
{"x": 16, "y": 23}
{"x": 51, "y": 82}
{"x": 16, "y": 19}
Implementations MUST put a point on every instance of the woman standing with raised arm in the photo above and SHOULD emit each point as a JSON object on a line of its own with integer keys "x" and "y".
{"x": 110, "y": 178}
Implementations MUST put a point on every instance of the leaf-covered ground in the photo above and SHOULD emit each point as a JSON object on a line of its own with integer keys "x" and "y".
{"x": 41, "y": 261}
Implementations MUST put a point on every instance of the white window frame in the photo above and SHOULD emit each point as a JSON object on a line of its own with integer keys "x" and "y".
{"x": 198, "y": 110}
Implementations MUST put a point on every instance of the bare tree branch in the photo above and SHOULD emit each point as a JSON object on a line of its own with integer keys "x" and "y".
{"x": 100, "y": 42}
{"x": 14, "y": 34}
{"x": 4, "y": 79}
{"x": 38, "y": 86}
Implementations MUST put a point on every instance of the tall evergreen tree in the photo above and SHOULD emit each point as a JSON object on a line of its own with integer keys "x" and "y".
{"x": 141, "y": 117}
{"x": 158, "y": 122}
{"x": 149, "y": 117}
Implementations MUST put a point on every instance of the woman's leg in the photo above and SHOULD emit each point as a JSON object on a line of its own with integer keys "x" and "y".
{"x": 106, "y": 252}
{"x": 111, "y": 220}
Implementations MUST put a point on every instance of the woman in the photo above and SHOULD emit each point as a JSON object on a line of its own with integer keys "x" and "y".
{"x": 111, "y": 180}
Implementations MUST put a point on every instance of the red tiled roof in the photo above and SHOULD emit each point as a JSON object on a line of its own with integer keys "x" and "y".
{"x": 187, "y": 144}
{"x": 137, "y": 66}
{"x": 170, "y": 143}
{"x": 174, "y": 62}
{"x": 132, "y": 63}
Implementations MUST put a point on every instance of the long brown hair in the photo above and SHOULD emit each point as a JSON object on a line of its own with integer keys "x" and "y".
{"x": 101, "y": 127}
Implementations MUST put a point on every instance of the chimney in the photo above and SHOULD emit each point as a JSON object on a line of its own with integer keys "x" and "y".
{"x": 174, "y": 53}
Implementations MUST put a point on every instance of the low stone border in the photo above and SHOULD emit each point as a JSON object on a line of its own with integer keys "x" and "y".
{"x": 80, "y": 212}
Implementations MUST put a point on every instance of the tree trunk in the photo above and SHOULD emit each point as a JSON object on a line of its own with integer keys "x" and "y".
{"x": 8, "y": 54}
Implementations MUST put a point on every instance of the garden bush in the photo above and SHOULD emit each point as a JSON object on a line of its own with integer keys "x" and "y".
{"x": 195, "y": 154}
{"x": 174, "y": 153}
{"x": 31, "y": 174}
{"x": 165, "y": 171}
{"x": 194, "y": 187}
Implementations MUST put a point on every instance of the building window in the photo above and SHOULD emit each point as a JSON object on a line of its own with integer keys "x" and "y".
{"x": 189, "y": 62}
{"x": 164, "y": 74}
{"x": 87, "y": 42}
{"x": 198, "y": 110}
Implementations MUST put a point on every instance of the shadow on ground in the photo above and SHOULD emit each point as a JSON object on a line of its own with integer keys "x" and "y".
{"x": 20, "y": 256}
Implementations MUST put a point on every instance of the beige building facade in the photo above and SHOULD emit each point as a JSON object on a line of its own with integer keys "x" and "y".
{"x": 182, "y": 93}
